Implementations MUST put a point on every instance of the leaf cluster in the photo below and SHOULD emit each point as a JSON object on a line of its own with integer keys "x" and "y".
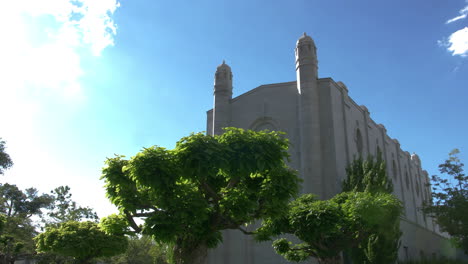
{"x": 63, "y": 208}
{"x": 367, "y": 175}
{"x": 204, "y": 185}
{"x": 14, "y": 202}
{"x": 80, "y": 240}
{"x": 450, "y": 199}
{"x": 331, "y": 226}
{"x": 5, "y": 160}
{"x": 141, "y": 250}
{"x": 370, "y": 175}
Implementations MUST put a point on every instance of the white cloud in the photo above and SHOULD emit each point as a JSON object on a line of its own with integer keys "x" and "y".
{"x": 43, "y": 44}
{"x": 463, "y": 13}
{"x": 458, "y": 42}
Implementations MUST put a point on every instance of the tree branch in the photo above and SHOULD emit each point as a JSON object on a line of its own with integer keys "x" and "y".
{"x": 143, "y": 214}
{"x": 245, "y": 231}
{"x": 132, "y": 223}
{"x": 232, "y": 183}
{"x": 210, "y": 191}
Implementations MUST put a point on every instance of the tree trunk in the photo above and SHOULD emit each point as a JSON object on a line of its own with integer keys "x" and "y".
{"x": 196, "y": 253}
{"x": 330, "y": 260}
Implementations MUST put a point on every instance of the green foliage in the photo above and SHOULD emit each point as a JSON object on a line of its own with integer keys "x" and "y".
{"x": 331, "y": 226}
{"x": 206, "y": 184}
{"x": 5, "y": 160}
{"x": 114, "y": 224}
{"x": 50, "y": 258}
{"x": 141, "y": 250}
{"x": 367, "y": 176}
{"x": 80, "y": 240}
{"x": 450, "y": 200}
{"x": 16, "y": 209}
{"x": 370, "y": 176}
{"x": 64, "y": 209}
{"x": 14, "y": 202}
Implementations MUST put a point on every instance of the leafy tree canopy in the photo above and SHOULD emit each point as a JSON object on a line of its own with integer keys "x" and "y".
{"x": 449, "y": 204}
{"x": 141, "y": 250}
{"x": 206, "y": 184}
{"x": 369, "y": 175}
{"x": 331, "y": 226}
{"x": 16, "y": 209}
{"x": 5, "y": 160}
{"x": 14, "y": 202}
{"x": 83, "y": 241}
{"x": 64, "y": 209}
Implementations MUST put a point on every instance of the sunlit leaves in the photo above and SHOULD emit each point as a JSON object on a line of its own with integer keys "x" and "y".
{"x": 370, "y": 176}
{"x": 81, "y": 240}
{"x": 330, "y": 226}
{"x": 206, "y": 184}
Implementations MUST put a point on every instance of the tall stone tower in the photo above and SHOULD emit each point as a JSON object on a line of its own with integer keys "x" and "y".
{"x": 222, "y": 98}
{"x": 309, "y": 115}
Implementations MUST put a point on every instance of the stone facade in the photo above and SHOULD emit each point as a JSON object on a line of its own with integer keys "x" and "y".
{"x": 327, "y": 130}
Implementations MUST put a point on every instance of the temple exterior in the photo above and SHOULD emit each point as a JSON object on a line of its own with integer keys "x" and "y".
{"x": 326, "y": 129}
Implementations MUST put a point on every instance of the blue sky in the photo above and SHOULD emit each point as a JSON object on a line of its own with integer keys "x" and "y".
{"x": 82, "y": 80}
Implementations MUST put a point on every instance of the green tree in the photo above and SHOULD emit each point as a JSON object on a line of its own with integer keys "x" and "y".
{"x": 16, "y": 208}
{"x": 64, "y": 209}
{"x": 449, "y": 205}
{"x": 141, "y": 250}
{"x": 206, "y": 184}
{"x": 370, "y": 176}
{"x": 331, "y": 226}
{"x": 83, "y": 241}
{"x": 367, "y": 175}
{"x": 5, "y": 160}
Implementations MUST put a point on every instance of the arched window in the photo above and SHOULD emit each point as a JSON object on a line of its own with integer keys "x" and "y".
{"x": 359, "y": 141}
{"x": 264, "y": 123}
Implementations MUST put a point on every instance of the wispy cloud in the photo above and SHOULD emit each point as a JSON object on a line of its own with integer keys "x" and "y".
{"x": 463, "y": 14}
{"x": 457, "y": 42}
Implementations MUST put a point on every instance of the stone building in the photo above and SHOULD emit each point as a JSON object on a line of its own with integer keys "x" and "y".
{"x": 326, "y": 129}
